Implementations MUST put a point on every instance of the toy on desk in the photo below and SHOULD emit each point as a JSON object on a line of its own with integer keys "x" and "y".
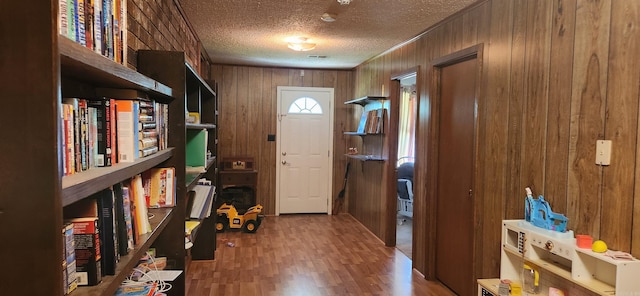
{"x": 538, "y": 212}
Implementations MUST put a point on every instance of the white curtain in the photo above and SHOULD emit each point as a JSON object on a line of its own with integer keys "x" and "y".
{"x": 407, "y": 124}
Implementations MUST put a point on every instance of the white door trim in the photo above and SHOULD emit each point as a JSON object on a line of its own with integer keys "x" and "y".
{"x": 330, "y": 152}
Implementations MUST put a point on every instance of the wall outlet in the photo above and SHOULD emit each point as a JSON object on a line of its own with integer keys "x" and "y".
{"x": 603, "y": 152}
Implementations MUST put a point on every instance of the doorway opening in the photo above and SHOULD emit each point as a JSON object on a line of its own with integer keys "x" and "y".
{"x": 405, "y": 159}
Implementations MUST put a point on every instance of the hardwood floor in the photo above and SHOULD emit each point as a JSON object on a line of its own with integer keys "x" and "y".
{"x": 404, "y": 232}
{"x": 314, "y": 254}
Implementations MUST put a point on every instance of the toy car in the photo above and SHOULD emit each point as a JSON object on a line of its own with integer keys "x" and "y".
{"x": 228, "y": 218}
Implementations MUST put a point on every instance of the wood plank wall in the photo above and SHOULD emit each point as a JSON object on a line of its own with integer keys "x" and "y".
{"x": 248, "y": 98}
{"x": 557, "y": 76}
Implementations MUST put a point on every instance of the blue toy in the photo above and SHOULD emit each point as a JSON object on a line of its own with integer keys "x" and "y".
{"x": 538, "y": 212}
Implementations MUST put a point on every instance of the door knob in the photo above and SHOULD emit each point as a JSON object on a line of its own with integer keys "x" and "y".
{"x": 284, "y": 162}
{"x": 284, "y": 153}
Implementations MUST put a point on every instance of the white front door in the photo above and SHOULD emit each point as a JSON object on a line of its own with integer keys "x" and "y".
{"x": 304, "y": 150}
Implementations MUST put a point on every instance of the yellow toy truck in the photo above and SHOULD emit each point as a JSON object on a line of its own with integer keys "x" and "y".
{"x": 228, "y": 218}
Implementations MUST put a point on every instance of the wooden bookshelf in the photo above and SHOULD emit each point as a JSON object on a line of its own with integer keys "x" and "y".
{"x": 39, "y": 68}
{"x": 171, "y": 67}
{"x": 372, "y": 143}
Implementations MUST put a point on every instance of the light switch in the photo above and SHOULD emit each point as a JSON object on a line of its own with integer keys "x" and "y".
{"x": 603, "y": 152}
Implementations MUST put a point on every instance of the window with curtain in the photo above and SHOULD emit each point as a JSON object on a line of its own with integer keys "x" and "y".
{"x": 407, "y": 124}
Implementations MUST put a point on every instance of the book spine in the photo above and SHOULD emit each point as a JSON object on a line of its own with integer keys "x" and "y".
{"x": 106, "y": 217}
{"x": 93, "y": 136}
{"x": 84, "y": 139}
{"x": 128, "y": 217}
{"x": 88, "y": 23}
{"x": 87, "y": 249}
{"x": 65, "y": 156}
{"x": 106, "y": 27}
{"x": 127, "y": 133}
{"x": 117, "y": 56}
{"x": 63, "y": 20}
{"x": 71, "y": 19}
{"x": 147, "y": 151}
{"x": 108, "y": 17}
{"x": 69, "y": 259}
{"x": 80, "y": 29}
{"x": 97, "y": 26}
{"x": 103, "y": 132}
{"x": 121, "y": 227}
{"x": 71, "y": 163}
{"x": 114, "y": 127}
{"x": 170, "y": 194}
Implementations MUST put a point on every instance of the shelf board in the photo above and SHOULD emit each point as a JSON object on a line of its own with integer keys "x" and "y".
{"x": 362, "y": 134}
{"x": 366, "y": 157}
{"x": 80, "y": 185}
{"x": 200, "y": 126}
{"x": 83, "y": 64}
{"x": 110, "y": 284}
{"x": 201, "y": 81}
{"x": 366, "y": 100}
{"x": 592, "y": 285}
{"x": 192, "y": 178}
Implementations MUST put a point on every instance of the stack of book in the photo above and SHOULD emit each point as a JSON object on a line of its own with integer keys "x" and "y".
{"x": 147, "y": 132}
{"x": 120, "y": 126}
{"x": 95, "y": 24}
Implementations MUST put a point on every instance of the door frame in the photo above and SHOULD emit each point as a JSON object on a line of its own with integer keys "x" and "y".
{"x": 331, "y": 108}
{"x": 434, "y": 95}
{"x": 392, "y": 174}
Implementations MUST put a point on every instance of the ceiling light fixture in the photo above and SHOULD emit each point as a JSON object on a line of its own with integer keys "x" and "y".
{"x": 344, "y": 2}
{"x": 301, "y": 44}
{"x": 327, "y": 17}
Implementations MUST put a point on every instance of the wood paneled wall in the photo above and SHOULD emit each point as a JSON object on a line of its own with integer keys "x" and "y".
{"x": 248, "y": 98}
{"x": 557, "y": 76}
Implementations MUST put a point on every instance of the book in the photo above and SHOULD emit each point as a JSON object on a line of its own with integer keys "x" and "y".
{"x": 196, "y": 148}
{"x": 109, "y": 246}
{"x": 162, "y": 187}
{"x": 71, "y": 20}
{"x": 141, "y": 221}
{"x": 97, "y": 26}
{"x": 104, "y": 143}
{"x": 80, "y": 25}
{"x": 363, "y": 122}
{"x": 127, "y": 130}
{"x": 84, "y": 138}
{"x": 128, "y": 217}
{"x": 68, "y": 133}
{"x": 88, "y": 23}
{"x": 64, "y": 20}
{"x": 75, "y": 127}
{"x": 87, "y": 249}
{"x": 203, "y": 196}
{"x": 70, "y": 281}
{"x": 122, "y": 230}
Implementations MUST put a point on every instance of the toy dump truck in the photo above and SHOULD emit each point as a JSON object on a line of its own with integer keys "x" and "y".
{"x": 228, "y": 218}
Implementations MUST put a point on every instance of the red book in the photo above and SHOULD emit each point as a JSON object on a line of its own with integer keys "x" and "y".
{"x": 87, "y": 246}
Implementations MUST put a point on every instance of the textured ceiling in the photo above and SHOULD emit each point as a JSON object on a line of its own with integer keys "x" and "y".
{"x": 253, "y": 32}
